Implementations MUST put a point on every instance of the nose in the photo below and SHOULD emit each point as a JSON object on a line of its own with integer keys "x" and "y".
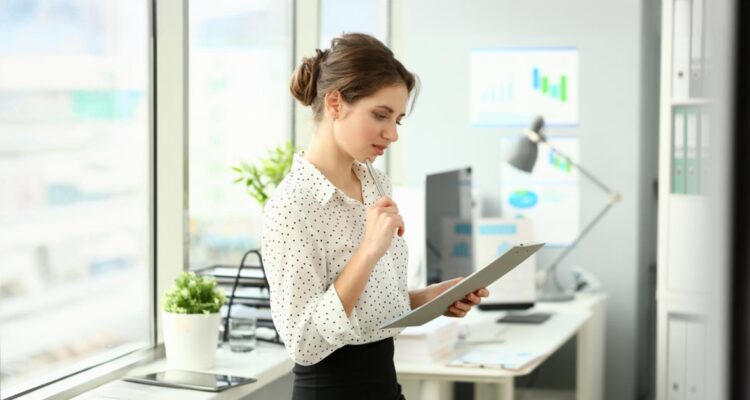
{"x": 391, "y": 133}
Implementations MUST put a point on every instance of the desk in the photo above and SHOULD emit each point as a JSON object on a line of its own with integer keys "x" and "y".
{"x": 582, "y": 317}
{"x": 269, "y": 363}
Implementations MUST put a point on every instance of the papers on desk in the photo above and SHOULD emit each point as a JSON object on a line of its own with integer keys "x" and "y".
{"x": 428, "y": 342}
{"x": 483, "y": 358}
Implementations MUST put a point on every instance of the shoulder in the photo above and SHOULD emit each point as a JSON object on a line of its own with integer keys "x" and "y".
{"x": 289, "y": 198}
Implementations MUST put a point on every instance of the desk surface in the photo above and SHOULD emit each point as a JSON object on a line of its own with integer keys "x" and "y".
{"x": 266, "y": 363}
{"x": 270, "y": 361}
{"x": 545, "y": 338}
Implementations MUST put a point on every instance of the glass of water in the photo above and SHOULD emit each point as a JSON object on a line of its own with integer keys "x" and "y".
{"x": 242, "y": 334}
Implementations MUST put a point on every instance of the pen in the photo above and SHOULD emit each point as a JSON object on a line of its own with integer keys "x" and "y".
{"x": 377, "y": 184}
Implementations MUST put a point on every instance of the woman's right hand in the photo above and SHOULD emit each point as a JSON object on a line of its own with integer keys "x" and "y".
{"x": 382, "y": 221}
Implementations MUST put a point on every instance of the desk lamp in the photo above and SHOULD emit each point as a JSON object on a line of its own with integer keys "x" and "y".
{"x": 523, "y": 158}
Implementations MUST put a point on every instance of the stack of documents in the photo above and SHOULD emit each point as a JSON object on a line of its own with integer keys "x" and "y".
{"x": 429, "y": 342}
{"x": 495, "y": 359}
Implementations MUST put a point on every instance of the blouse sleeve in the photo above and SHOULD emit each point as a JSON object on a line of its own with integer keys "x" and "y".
{"x": 306, "y": 311}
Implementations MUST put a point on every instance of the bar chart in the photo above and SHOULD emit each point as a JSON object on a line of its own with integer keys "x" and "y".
{"x": 511, "y": 86}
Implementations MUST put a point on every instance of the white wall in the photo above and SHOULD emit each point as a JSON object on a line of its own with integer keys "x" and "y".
{"x": 617, "y": 132}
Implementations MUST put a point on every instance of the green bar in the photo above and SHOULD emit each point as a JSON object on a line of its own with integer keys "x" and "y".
{"x": 544, "y": 84}
{"x": 563, "y": 88}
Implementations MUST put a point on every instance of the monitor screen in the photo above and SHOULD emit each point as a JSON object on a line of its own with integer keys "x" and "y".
{"x": 448, "y": 213}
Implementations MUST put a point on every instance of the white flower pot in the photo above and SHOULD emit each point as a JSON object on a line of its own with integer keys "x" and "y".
{"x": 190, "y": 340}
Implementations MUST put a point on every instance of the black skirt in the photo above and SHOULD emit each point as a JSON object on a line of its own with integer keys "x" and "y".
{"x": 352, "y": 372}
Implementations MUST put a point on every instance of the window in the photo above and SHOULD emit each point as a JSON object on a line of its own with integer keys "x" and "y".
{"x": 344, "y": 16}
{"x": 75, "y": 188}
{"x": 240, "y": 107}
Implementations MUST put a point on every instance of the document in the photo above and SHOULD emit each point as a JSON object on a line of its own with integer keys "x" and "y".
{"x": 479, "y": 279}
{"x": 493, "y": 359}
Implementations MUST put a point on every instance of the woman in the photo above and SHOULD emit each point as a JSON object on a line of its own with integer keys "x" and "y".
{"x": 332, "y": 246}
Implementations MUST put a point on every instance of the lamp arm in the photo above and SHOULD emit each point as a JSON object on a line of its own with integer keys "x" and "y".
{"x": 583, "y": 233}
{"x": 583, "y": 170}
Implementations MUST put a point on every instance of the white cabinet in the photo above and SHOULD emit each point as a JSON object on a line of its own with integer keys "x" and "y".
{"x": 676, "y": 355}
{"x": 684, "y": 263}
{"x": 695, "y": 366}
{"x": 685, "y": 358}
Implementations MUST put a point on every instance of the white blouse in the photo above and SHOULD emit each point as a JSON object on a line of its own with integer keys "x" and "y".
{"x": 311, "y": 231}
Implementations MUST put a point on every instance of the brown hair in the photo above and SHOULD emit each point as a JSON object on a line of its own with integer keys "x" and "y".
{"x": 357, "y": 65}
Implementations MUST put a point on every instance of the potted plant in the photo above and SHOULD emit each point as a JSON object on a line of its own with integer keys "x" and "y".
{"x": 191, "y": 321}
{"x": 260, "y": 179}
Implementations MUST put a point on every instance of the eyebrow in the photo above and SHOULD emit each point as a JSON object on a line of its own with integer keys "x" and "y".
{"x": 391, "y": 110}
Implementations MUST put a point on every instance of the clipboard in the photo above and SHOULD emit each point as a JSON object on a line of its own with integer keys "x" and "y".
{"x": 479, "y": 279}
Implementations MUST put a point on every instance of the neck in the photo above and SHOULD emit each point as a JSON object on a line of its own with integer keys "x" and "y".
{"x": 324, "y": 154}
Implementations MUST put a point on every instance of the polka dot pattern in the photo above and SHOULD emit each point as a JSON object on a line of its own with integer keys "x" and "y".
{"x": 311, "y": 231}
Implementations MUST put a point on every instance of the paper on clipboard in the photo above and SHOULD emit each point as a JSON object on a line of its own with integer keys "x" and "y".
{"x": 479, "y": 279}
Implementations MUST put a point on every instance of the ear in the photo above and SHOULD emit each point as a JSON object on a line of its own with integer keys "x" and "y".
{"x": 334, "y": 104}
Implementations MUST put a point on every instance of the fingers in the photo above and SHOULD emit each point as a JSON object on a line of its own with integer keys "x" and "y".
{"x": 456, "y": 312}
{"x": 463, "y": 305}
{"x": 390, "y": 210}
{"x": 384, "y": 201}
{"x": 397, "y": 223}
{"x": 473, "y": 298}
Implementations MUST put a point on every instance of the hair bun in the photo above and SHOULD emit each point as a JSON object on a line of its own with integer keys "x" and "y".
{"x": 305, "y": 78}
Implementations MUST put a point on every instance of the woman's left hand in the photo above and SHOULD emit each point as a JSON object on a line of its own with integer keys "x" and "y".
{"x": 460, "y": 307}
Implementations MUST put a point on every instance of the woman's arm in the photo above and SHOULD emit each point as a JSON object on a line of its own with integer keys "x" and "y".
{"x": 419, "y": 297}
{"x": 352, "y": 280}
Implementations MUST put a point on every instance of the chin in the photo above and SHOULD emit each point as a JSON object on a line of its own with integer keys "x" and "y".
{"x": 362, "y": 159}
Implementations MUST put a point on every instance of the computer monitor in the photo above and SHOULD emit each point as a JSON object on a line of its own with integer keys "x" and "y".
{"x": 453, "y": 238}
{"x": 448, "y": 210}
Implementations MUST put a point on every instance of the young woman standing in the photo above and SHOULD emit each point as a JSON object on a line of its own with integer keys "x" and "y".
{"x": 332, "y": 246}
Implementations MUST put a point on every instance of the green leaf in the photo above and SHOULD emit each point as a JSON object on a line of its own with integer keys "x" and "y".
{"x": 267, "y": 173}
{"x": 193, "y": 294}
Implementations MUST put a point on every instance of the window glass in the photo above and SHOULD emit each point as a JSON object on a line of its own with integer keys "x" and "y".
{"x": 240, "y": 107}
{"x": 74, "y": 186}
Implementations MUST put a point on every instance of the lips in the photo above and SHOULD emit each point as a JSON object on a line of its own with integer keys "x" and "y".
{"x": 379, "y": 149}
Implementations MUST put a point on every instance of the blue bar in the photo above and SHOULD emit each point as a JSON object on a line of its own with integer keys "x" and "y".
{"x": 536, "y": 78}
{"x": 462, "y": 229}
{"x": 497, "y": 230}
{"x": 553, "y": 90}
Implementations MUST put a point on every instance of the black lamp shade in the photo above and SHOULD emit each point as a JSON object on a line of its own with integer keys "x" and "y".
{"x": 525, "y": 154}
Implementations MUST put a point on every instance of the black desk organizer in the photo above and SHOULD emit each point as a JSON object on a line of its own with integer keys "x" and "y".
{"x": 254, "y": 276}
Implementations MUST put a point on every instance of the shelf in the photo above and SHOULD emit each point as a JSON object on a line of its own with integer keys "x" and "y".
{"x": 690, "y": 102}
{"x": 226, "y": 275}
{"x": 250, "y": 288}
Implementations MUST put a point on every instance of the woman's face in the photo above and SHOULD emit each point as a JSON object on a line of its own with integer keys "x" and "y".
{"x": 366, "y": 128}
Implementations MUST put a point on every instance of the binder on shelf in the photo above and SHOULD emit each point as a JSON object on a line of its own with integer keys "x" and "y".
{"x": 692, "y": 166}
{"x": 705, "y": 153}
{"x": 681, "y": 50}
{"x": 678, "y": 151}
{"x": 697, "y": 54}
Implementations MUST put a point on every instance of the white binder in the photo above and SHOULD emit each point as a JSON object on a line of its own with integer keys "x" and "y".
{"x": 681, "y": 50}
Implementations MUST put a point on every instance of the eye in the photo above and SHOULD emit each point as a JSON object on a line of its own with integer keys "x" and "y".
{"x": 398, "y": 122}
{"x": 379, "y": 117}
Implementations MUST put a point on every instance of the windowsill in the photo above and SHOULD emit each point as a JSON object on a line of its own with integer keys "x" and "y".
{"x": 89, "y": 379}
{"x": 267, "y": 363}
